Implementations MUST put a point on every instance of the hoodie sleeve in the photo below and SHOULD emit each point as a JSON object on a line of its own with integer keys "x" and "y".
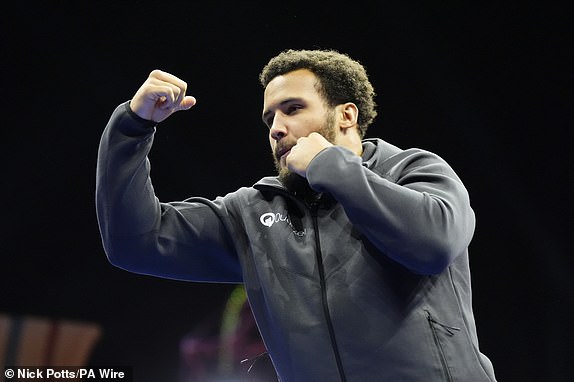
{"x": 185, "y": 240}
{"x": 417, "y": 212}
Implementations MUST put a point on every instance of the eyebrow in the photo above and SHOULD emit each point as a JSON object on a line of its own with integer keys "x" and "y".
{"x": 286, "y": 101}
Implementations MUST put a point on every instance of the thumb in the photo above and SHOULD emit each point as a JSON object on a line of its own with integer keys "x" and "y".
{"x": 187, "y": 102}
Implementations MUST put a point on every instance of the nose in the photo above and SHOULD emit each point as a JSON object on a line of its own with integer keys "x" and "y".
{"x": 278, "y": 129}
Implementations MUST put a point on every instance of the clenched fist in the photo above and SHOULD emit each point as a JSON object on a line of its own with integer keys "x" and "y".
{"x": 304, "y": 151}
{"x": 161, "y": 95}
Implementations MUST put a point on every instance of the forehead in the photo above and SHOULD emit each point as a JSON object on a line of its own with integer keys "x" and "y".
{"x": 299, "y": 83}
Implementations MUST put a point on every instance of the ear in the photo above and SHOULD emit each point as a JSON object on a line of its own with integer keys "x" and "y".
{"x": 348, "y": 115}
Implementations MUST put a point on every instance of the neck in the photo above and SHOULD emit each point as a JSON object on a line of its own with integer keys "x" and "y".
{"x": 299, "y": 187}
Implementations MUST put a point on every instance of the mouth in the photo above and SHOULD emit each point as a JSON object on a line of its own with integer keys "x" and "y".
{"x": 282, "y": 152}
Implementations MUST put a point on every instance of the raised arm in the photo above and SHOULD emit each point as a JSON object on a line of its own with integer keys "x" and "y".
{"x": 184, "y": 240}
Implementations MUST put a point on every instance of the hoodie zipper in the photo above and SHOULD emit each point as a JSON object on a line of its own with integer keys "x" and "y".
{"x": 314, "y": 207}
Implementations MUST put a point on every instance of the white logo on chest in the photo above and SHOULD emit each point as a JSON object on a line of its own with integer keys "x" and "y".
{"x": 270, "y": 218}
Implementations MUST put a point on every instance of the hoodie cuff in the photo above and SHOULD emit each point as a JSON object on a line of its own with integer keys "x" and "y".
{"x": 132, "y": 124}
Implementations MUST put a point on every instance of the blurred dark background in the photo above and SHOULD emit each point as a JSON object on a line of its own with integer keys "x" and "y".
{"x": 486, "y": 86}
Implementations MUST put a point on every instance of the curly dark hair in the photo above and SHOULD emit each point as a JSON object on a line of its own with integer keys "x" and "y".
{"x": 341, "y": 79}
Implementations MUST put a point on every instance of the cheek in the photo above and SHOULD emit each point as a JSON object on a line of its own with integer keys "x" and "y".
{"x": 309, "y": 126}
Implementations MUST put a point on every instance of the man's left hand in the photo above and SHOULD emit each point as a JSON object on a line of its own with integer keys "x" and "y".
{"x": 304, "y": 151}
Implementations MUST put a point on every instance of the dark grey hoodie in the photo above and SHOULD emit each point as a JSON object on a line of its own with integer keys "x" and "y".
{"x": 369, "y": 282}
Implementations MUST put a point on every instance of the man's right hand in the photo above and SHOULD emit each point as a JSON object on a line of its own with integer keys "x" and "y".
{"x": 161, "y": 95}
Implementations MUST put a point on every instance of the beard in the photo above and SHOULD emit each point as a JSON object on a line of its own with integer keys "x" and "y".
{"x": 293, "y": 182}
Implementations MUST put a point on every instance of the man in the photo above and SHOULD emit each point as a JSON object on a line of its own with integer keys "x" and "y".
{"x": 354, "y": 258}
